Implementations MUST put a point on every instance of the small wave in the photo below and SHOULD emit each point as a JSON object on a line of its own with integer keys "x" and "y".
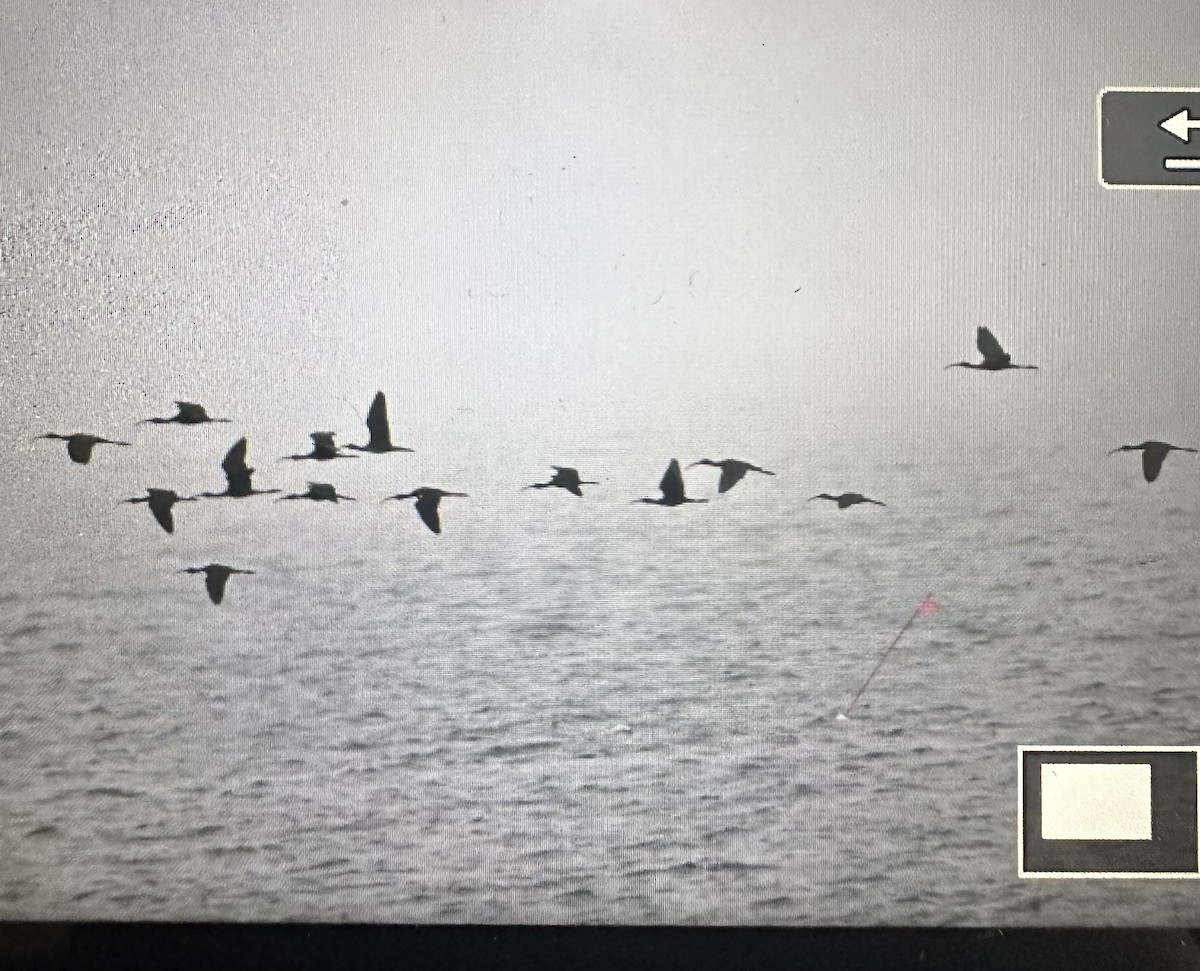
{"x": 330, "y": 864}
{"x": 579, "y": 893}
{"x": 114, "y": 792}
{"x": 241, "y": 848}
{"x": 738, "y": 866}
{"x": 521, "y": 748}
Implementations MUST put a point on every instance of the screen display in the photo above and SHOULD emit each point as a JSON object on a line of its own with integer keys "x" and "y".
{"x": 600, "y": 463}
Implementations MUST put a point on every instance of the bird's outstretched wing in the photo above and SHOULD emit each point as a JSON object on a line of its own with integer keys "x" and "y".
{"x": 567, "y": 478}
{"x": 731, "y": 475}
{"x": 215, "y": 582}
{"x": 80, "y": 449}
{"x": 163, "y": 514}
{"x": 1152, "y": 462}
{"x": 191, "y": 412}
{"x": 234, "y": 464}
{"x": 990, "y": 348}
{"x": 323, "y": 445}
{"x": 377, "y": 421}
{"x": 427, "y": 509}
{"x": 671, "y": 485}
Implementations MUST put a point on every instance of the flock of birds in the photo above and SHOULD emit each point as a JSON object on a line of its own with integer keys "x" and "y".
{"x": 239, "y": 481}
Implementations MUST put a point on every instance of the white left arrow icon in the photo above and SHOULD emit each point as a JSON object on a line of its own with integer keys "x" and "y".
{"x": 1180, "y": 125}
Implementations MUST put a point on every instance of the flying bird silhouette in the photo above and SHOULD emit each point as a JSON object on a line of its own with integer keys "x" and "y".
{"x": 380, "y": 432}
{"x": 216, "y": 575}
{"x": 995, "y": 358}
{"x": 428, "y": 500}
{"x": 564, "y": 478}
{"x": 732, "y": 471}
{"x": 324, "y": 448}
{"x": 189, "y": 413}
{"x": 671, "y": 487}
{"x": 1153, "y": 455}
{"x": 318, "y": 492}
{"x": 848, "y": 499}
{"x": 161, "y": 502}
{"x": 80, "y": 444}
{"x": 238, "y": 475}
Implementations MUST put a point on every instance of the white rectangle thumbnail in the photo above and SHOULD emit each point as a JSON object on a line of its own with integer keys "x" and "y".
{"x": 1096, "y": 801}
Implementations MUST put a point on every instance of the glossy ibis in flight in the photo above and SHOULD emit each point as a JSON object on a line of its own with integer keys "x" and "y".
{"x": 848, "y": 499}
{"x": 237, "y": 475}
{"x": 318, "y": 492}
{"x": 380, "y": 432}
{"x": 324, "y": 448}
{"x": 189, "y": 413}
{"x": 428, "y": 500}
{"x": 564, "y": 478}
{"x": 1153, "y": 455}
{"x": 161, "y": 502}
{"x": 671, "y": 487}
{"x": 216, "y": 575}
{"x": 80, "y": 445}
{"x": 732, "y": 471}
{"x": 995, "y": 358}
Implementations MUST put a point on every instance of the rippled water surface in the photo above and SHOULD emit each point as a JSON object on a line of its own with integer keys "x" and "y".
{"x": 585, "y": 710}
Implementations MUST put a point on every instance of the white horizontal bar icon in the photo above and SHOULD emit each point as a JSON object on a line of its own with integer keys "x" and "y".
{"x": 1096, "y": 801}
{"x": 1181, "y": 163}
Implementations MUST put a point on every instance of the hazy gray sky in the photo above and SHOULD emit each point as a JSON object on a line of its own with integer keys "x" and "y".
{"x": 582, "y": 219}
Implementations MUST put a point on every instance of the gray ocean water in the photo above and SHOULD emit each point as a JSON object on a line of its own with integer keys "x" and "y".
{"x": 594, "y": 236}
{"x": 569, "y": 710}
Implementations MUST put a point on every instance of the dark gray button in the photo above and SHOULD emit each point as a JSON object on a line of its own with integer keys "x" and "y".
{"x": 1150, "y": 138}
{"x": 1169, "y": 853}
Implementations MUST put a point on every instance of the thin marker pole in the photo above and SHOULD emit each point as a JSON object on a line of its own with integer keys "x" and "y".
{"x": 926, "y": 606}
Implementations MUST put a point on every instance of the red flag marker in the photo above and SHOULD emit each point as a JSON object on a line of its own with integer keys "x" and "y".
{"x": 926, "y": 606}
